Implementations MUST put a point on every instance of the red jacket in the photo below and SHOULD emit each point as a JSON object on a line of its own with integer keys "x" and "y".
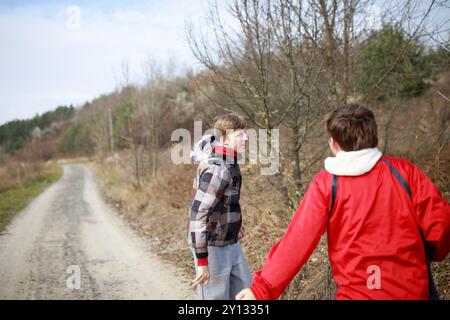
{"x": 374, "y": 230}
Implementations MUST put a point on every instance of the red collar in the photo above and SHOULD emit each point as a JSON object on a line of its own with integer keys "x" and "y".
{"x": 222, "y": 150}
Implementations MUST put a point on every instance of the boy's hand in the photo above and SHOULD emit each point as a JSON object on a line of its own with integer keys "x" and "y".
{"x": 242, "y": 232}
{"x": 202, "y": 277}
{"x": 245, "y": 294}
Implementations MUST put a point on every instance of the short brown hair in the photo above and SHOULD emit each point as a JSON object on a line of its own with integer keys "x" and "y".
{"x": 229, "y": 121}
{"x": 353, "y": 127}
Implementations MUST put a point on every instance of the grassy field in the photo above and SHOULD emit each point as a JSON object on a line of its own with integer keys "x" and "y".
{"x": 16, "y": 198}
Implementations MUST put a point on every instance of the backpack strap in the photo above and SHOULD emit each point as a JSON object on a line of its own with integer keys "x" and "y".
{"x": 399, "y": 178}
{"x": 334, "y": 186}
{"x": 433, "y": 294}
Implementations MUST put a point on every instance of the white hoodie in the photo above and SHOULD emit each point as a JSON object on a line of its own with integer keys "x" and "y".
{"x": 353, "y": 163}
{"x": 203, "y": 148}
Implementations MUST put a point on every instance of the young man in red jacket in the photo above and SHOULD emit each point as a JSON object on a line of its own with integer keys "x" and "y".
{"x": 385, "y": 221}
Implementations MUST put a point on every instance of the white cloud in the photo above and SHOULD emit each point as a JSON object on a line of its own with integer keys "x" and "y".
{"x": 45, "y": 63}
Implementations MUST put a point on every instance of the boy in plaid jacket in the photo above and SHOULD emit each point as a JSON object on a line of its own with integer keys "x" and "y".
{"x": 215, "y": 217}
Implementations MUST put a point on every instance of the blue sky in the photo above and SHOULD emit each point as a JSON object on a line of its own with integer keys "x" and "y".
{"x": 48, "y": 58}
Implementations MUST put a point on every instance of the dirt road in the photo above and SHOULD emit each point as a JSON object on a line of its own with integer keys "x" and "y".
{"x": 68, "y": 244}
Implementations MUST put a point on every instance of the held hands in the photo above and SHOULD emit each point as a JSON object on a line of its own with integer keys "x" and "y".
{"x": 245, "y": 294}
{"x": 202, "y": 277}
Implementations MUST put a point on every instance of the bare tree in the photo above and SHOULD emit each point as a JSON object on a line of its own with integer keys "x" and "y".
{"x": 156, "y": 104}
{"x": 278, "y": 66}
{"x": 131, "y": 120}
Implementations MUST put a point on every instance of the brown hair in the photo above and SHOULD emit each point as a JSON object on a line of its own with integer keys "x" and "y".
{"x": 353, "y": 127}
{"x": 229, "y": 121}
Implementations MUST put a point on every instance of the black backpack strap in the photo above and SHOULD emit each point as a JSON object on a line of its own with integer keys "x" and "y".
{"x": 399, "y": 177}
{"x": 334, "y": 186}
{"x": 433, "y": 294}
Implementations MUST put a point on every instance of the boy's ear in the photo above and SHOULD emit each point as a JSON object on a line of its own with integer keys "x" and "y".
{"x": 333, "y": 145}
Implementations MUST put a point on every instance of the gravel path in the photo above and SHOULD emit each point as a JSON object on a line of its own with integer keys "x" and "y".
{"x": 69, "y": 233}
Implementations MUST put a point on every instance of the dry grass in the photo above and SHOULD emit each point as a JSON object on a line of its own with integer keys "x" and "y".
{"x": 13, "y": 173}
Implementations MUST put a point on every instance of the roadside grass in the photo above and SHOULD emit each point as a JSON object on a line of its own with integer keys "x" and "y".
{"x": 16, "y": 198}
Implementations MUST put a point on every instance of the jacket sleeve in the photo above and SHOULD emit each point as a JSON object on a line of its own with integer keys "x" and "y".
{"x": 433, "y": 215}
{"x": 211, "y": 188}
{"x": 290, "y": 253}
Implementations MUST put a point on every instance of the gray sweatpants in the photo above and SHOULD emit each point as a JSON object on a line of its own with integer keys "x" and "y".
{"x": 229, "y": 273}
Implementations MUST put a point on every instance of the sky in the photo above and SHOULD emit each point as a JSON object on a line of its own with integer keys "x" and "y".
{"x": 68, "y": 52}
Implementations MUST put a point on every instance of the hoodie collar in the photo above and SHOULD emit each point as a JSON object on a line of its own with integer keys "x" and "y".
{"x": 353, "y": 163}
{"x": 209, "y": 147}
{"x": 223, "y": 150}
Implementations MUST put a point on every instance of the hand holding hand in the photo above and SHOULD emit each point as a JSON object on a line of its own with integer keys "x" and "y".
{"x": 245, "y": 294}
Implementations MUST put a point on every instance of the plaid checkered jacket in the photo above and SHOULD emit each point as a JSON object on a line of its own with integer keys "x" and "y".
{"x": 215, "y": 216}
